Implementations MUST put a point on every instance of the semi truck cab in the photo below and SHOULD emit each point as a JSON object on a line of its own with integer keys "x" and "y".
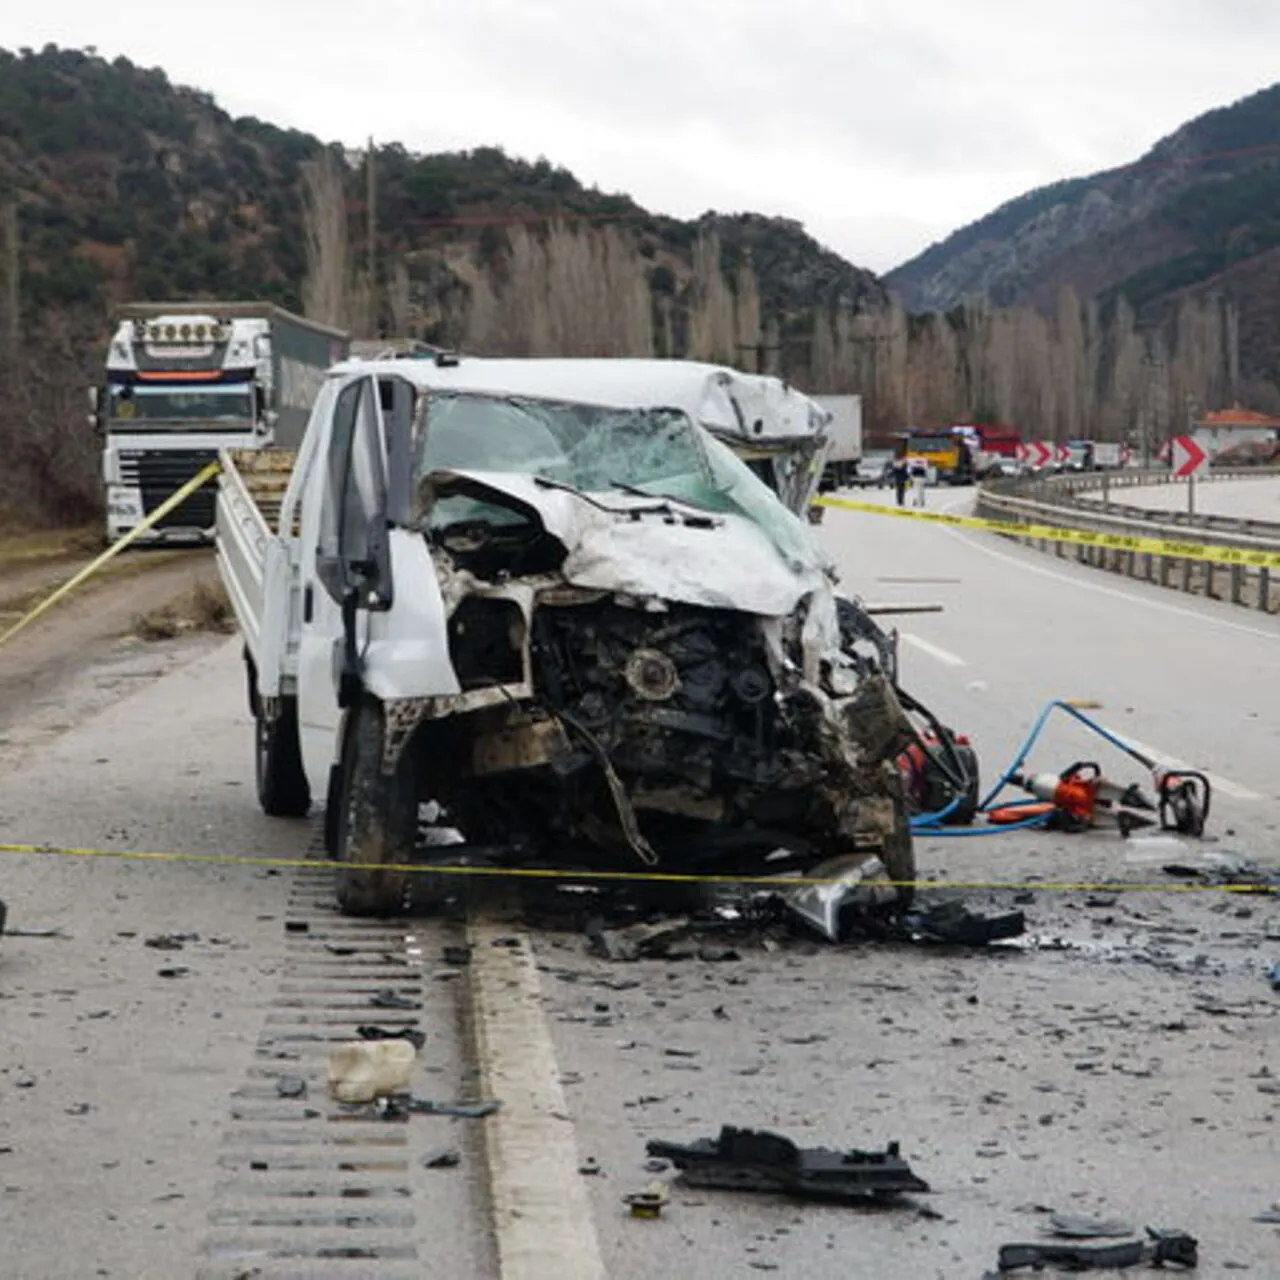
{"x": 184, "y": 381}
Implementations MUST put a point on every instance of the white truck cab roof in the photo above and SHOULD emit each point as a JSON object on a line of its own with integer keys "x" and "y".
{"x": 723, "y": 400}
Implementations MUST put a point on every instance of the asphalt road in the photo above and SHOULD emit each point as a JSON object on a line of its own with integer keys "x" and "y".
{"x": 1122, "y": 1062}
{"x": 1121, "y": 1066}
{"x": 1237, "y": 499}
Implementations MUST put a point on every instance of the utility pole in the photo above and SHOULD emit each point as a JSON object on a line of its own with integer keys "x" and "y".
{"x": 371, "y": 246}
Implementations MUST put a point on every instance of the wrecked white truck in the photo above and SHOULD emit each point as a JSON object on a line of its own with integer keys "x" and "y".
{"x": 581, "y": 633}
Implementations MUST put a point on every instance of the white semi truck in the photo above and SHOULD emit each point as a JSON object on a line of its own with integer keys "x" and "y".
{"x": 185, "y": 380}
{"x": 562, "y": 617}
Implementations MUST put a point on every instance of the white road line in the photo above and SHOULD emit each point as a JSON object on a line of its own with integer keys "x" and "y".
{"x": 1132, "y": 597}
{"x": 542, "y": 1212}
{"x": 933, "y": 650}
{"x": 1225, "y": 785}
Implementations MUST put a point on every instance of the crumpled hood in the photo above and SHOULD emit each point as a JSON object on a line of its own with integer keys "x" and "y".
{"x": 731, "y": 565}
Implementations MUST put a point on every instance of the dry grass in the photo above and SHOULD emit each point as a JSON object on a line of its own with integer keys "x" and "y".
{"x": 22, "y": 545}
{"x": 204, "y": 608}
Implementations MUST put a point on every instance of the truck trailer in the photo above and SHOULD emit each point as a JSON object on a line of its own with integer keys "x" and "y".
{"x": 183, "y": 381}
{"x": 844, "y": 437}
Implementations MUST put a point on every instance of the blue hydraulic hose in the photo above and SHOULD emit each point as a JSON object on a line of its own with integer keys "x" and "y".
{"x": 932, "y": 823}
{"x": 960, "y": 833}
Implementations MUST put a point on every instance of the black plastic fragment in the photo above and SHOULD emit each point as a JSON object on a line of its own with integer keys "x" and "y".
{"x": 954, "y": 923}
{"x": 751, "y": 1160}
{"x": 1164, "y": 1248}
{"x": 369, "y": 1031}
{"x": 391, "y": 999}
{"x": 442, "y": 1158}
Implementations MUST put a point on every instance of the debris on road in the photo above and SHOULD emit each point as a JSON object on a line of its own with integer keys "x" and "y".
{"x": 391, "y": 999}
{"x": 173, "y": 971}
{"x": 751, "y": 1160}
{"x": 31, "y": 933}
{"x": 852, "y": 883}
{"x": 953, "y": 923}
{"x": 1078, "y": 1228}
{"x": 368, "y": 1031}
{"x": 857, "y": 906}
{"x": 458, "y": 1110}
{"x": 637, "y": 941}
{"x": 1226, "y": 869}
{"x": 649, "y": 1202}
{"x": 291, "y": 1087}
{"x": 1164, "y": 1248}
{"x": 170, "y": 941}
{"x": 442, "y": 1158}
{"x": 1270, "y": 1216}
{"x": 362, "y": 1070}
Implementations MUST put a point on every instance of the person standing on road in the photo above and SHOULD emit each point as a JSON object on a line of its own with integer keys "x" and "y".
{"x": 918, "y": 478}
{"x": 900, "y": 479}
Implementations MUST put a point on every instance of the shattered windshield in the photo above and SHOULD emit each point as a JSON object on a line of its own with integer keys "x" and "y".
{"x": 601, "y": 451}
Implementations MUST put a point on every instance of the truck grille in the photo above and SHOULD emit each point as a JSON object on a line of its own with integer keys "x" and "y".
{"x": 158, "y": 472}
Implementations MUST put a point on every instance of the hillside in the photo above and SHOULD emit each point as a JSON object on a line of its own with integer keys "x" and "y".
{"x": 129, "y": 186}
{"x": 1199, "y": 213}
{"x": 116, "y": 184}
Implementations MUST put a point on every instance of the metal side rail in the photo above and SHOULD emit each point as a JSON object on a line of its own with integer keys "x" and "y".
{"x": 1240, "y": 584}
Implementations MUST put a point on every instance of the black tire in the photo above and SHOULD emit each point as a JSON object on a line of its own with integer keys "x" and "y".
{"x": 377, "y": 819}
{"x": 283, "y": 791}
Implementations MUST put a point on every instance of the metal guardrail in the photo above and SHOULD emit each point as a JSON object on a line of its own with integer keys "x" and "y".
{"x": 1053, "y": 500}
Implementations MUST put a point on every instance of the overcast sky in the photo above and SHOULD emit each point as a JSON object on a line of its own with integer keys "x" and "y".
{"x": 881, "y": 124}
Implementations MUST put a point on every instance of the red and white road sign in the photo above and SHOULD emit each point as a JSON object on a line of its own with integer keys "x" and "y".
{"x": 1061, "y": 453}
{"x": 1189, "y": 458}
{"x": 1035, "y": 452}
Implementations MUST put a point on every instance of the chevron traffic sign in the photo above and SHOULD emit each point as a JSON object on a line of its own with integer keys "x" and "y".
{"x": 1188, "y": 457}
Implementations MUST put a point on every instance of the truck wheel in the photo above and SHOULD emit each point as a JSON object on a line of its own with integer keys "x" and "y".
{"x": 377, "y": 820}
{"x": 282, "y": 783}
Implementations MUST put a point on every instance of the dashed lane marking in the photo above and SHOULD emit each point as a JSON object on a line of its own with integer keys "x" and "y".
{"x": 934, "y": 650}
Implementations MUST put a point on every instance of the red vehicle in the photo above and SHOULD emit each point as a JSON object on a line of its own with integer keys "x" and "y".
{"x": 997, "y": 439}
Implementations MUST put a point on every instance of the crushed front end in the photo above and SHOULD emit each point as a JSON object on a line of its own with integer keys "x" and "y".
{"x": 645, "y": 676}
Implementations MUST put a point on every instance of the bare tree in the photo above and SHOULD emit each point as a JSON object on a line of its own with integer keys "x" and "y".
{"x": 399, "y": 299}
{"x": 326, "y": 289}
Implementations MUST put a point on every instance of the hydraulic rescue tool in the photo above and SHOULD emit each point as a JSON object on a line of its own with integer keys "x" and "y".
{"x": 939, "y": 774}
{"x": 1081, "y": 797}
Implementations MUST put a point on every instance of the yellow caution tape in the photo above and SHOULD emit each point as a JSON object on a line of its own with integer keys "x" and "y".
{"x": 112, "y": 551}
{"x": 645, "y": 877}
{"x": 1081, "y": 537}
